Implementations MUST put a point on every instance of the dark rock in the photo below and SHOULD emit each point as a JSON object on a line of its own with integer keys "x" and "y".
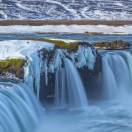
{"x": 117, "y": 44}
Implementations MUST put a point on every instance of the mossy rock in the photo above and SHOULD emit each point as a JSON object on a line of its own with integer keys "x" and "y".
{"x": 59, "y": 43}
{"x": 14, "y": 66}
{"x": 62, "y": 44}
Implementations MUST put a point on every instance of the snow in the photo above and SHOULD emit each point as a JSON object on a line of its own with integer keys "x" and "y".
{"x": 72, "y": 11}
{"x": 21, "y": 48}
{"x": 126, "y": 29}
{"x": 66, "y": 9}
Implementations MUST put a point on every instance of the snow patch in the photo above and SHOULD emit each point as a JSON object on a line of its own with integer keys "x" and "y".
{"x": 104, "y": 29}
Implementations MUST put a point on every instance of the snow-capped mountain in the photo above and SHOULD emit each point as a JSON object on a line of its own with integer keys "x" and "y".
{"x": 66, "y": 9}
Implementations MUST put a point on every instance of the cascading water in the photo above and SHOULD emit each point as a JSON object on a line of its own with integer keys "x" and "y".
{"x": 60, "y": 88}
{"x": 116, "y": 76}
{"x": 69, "y": 88}
{"x": 19, "y": 110}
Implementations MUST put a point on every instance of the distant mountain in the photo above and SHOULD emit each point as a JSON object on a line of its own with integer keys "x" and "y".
{"x": 66, "y": 9}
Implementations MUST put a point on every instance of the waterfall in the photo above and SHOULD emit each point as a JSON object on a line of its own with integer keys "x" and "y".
{"x": 19, "y": 109}
{"x": 60, "y": 88}
{"x": 54, "y": 71}
{"x": 69, "y": 89}
{"x": 116, "y": 74}
{"x": 32, "y": 73}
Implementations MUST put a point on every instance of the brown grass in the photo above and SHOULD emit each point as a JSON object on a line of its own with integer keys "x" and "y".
{"x": 64, "y": 22}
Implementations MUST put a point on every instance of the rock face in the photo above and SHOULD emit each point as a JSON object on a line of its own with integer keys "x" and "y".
{"x": 12, "y": 69}
{"x": 118, "y": 44}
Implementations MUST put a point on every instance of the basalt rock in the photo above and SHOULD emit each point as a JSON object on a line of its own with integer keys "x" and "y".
{"x": 113, "y": 45}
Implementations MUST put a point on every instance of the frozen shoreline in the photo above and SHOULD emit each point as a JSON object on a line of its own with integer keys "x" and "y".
{"x": 99, "y": 29}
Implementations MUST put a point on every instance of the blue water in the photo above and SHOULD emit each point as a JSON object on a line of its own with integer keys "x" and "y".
{"x": 82, "y": 37}
{"x": 19, "y": 109}
{"x": 114, "y": 115}
{"x": 104, "y": 117}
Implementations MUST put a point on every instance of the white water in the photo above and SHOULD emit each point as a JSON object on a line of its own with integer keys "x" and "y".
{"x": 116, "y": 74}
{"x": 105, "y": 117}
{"x": 69, "y": 90}
{"x": 19, "y": 109}
{"x": 20, "y": 112}
{"x": 113, "y": 115}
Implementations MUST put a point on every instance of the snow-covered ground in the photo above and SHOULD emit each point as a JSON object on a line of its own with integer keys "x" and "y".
{"x": 21, "y": 48}
{"x": 103, "y": 29}
{"x": 66, "y": 9}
